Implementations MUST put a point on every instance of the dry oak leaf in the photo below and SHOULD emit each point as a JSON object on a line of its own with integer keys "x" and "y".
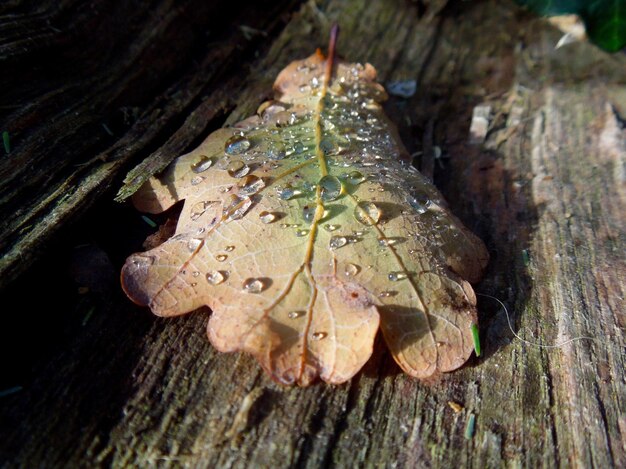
{"x": 304, "y": 229}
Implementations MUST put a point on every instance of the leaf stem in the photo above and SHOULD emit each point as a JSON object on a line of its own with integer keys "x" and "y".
{"x": 334, "y": 34}
{"x": 328, "y": 73}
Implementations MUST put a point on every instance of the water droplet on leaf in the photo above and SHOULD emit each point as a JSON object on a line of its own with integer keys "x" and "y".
{"x": 385, "y": 242}
{"x": 236, "y": 207}
{"x": 197, "y": 180}
{"x": 330, "y": 188}
{"x": 251, "y": 184}
{"x": 193, "y": 244}
{"x": 337, "y": 242}
{"x": 419, "y": 200}
{"x": 202, "y": 164}
{"x": 288, "y": 192}
{"x": 295, "y": 314}
{"x": 198, "y": 209}
{"x": 367, "y": 213}
{"x": 276, "y": 151}
{"x": 355, "y": 177}
{"x": 267, "y": 217}
{"x": 237, "y": 169}
{"x": 319, "y": 335}
{"x": 221, "y": 257}
{"x": 253, "y": 285}
{"x": 327, "y": 146}
{"x": 236, "y": 145}
{"x": 351, "y": 269}
{"x": 142, "y": 261}
{"x": 298, "y": 147}
{"x": 396, "y": 276}
{"x": 308, "y": 213}
{"x": 331, "y": 227}
{"x": 215, "y": 277}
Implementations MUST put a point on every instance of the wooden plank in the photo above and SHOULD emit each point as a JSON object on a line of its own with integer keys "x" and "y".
{"x": 101, "y": 89}
{"x": 547, "y": 193}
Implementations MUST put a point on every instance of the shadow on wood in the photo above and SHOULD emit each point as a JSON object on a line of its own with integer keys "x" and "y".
{"x": 545, "y": 190}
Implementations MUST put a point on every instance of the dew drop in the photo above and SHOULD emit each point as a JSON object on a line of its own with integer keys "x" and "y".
{"x": 288, "y": 192}
{"x": 355, "y": 178}
{"x": 221, "y": 257}
{"x": 386, "y": 294}
{"x": 202, "y": 164}
{"x": 253, "y": 285}
{"x": 386, "y": 242}
{"x": 302, "y": 233}
{"x": 308, "y": 213}
{"x": 193, "y": 244}
{"x": 319, "y": 335}
{"x": 351, "y": 269}
{"x": 215, "y": 277}
{"x": 276, "y": 151}
{"x": 295, "y": 314}
{"x": 236, "y": 145}
{"x": 197, "y": 180}
{"x": 298, "y": 147}
{"x": 237, "y": 169}
{"x": 367, "y": 213}
{"x": 327, "y": 146}
{"x": 143, "y": 261}
{"x": 236, "y": 207}
{"x": 337, "y": 242}
{"x": 330, "y": 188}
{"x": 419, "y": 200}
{"x": 223, "y": 163}
{"x": 304, "y": 88}
{"x": 229, "y": 248}
{"x": 251, "y": 184}
{"x": 198, "y": 209}
{"x": 195, "y": 273}
{"x": 396, "y": 276}
{"x": 330, "y": 227}
{"x": 267, "y": 217}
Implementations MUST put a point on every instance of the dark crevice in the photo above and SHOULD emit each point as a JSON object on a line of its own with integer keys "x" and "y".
{"x": 605, "y": 423}
{"x": 341, "y": 423}
{"x": 431, "y": 52}
{"x": 83, "y": 150}
{"x": 397, "y": 60}
{"x": 552, "y": 405}
{"x": 316, "y": 424}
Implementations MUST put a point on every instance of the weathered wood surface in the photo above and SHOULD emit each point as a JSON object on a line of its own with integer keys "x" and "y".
{"x": 107, "y": 384}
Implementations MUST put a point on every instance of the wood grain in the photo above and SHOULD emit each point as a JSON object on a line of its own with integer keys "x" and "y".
{"x": 546, "y": 191}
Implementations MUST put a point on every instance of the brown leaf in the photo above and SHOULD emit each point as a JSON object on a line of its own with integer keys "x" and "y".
{"x": 304, "y": 229}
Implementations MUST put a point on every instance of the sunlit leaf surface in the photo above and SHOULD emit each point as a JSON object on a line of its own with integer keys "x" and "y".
{"x": 304, "y": 230}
